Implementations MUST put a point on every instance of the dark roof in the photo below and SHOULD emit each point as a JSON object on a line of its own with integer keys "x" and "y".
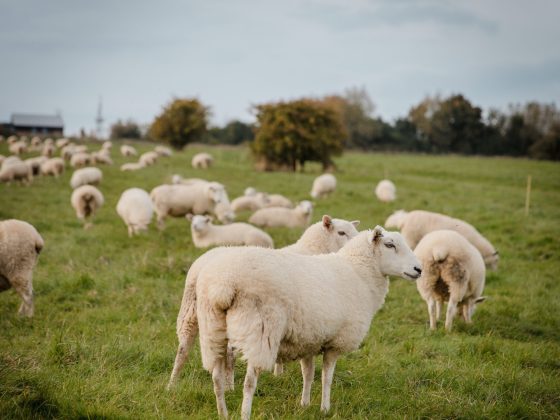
{"x": 36, "y": 120}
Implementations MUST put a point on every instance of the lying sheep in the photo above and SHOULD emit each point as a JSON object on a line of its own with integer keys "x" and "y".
{"x": 163, "y": 151}
{"x": 86, "y": 176}
{"x": 278, "y": 200}
{"x": 202, "y": 161}
{"x": 35, "y": 164}
{"x": 80, "y": 159}
{"x": 148, "y": 158}
{"x": 416, "y": 224}
{"x": 107, "y": 145}
{"x": 453, "y": 272}
{"x": 53, "y": 166}
{"x": 136, "y": 209}
{"x": 132, "y": 166}
{"x": 198, "y": 198}
{"x": 251, "y": 203}
{"x": 323, "y": 185}
{"x": 20, "y": 246}
{"x": 386, "y": 191}
{"x": 15, "y": 171}
{"x": 127, "y": 150}
{"x": 324, "y": 237}
{"x": 294, "y": 307}
{"x": 86, "y": 200}
{"x": 206, "y": 234}
{"x": 281, "y": 216}
{"x": 178, "y": 179}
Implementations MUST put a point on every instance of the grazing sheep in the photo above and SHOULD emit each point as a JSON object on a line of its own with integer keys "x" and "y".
{"x": 136, "y": 209}
{"x": 281, "y": 216}
{"x": 251, "y": 203}
{"x": 163, "y": 151}
{"x": 10, "y": 160}
{"x": 48, "y": 150}
{"x": 18, "y": 148}
{"x": 36, "y": 141}
{"x": 86, "y": 200}
{"x": 16, "y": 171}
{"x": 386, "y": 191}
{"x": 20, "y": 246}
{"x": 35, "y": 164}
{"x": 53, "y": 166}
{"x": 80, "y": 159}
{"x": 202, "y": 161}
{"x": 416, "y": 224}
{"x": 127, "y": 150}
{"x": 326, "y": 236}
{"x": 294, "y": 307}
{"x": 60, "y": 143}
{"x": 323, "y": 185}
{"x": 206, "y": 234}
{"x": 86, "y": 176}
{"x": 148, "y": 158}
{"x": 198, "y": 198}
{"x": 453, "y": 272}
{"x": 132, "y": 166}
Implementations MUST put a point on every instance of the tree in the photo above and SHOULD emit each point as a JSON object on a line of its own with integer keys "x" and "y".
{"x": 125, "y": 130}
{"x": 291, "y": 133}
{"x": 182, "y": 121}
{"x": 549, "y": 146}
{"x": 234, "y": 132}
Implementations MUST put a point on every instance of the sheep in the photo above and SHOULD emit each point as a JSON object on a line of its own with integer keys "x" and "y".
{"x": 132, "y": 166}
{"x": 67, "y": 151}
{"x": 35, "y": 164}
{"x": 86, "y": 200}
{"x": 163, "y": 151}
{"x": 323, "y": 185}
{"x": 53, "y": 166}
{"x": 9, "y": 160}
{"x": 205, "y": 234}
{"x": 324, "y": 237}
{"x": 249, "y": 192}
{"x": 102, "y": 156}
{"x": 11, "y": 139}
{"x": 60, "y": 143}
{"x": 386, "y": 191}
{"x": 415, "y": 224}
{"x": 202, "y": 161}
{"x": 15, "y": 171}
{"x": 127, "y": 150}
{"x": 18, "y": 148}
{"x": 20, "y": 246}
{"x": 252, "y": 203}
{"x": 199, "y": 198}
{"x": 136, "y": 209}
{"x": 80, "y": 159}
{"x": 453, "y": 272}
{"x": 278, "y": 200}
{"x": 281, "y": 216}
{"x": 178, "y": 179}
{"x": 48, "y": 150}
{"x": 106, "y": 145}
{"x": 2, "y": 158}
{"x": 148, "y": 158}
{"x": 36, "y": 141}
{"x": 294, "y": 307}
{"x": 396, "y": 219}
{"x": 86, "y": 176}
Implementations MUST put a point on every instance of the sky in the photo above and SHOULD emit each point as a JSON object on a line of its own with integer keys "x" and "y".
{"x": 63, "y": 55}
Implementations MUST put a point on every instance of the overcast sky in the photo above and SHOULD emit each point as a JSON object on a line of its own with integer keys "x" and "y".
{"x": 63, "y": 55}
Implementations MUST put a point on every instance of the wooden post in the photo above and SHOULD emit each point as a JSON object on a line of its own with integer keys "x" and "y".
{"x": 528, "y": 196}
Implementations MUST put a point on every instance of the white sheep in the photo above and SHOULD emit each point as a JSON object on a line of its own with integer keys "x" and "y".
{"x": 35, "y": 164}
{"x": 251, "y": 203}
{"x": 16, "y": 171}
{"x": 11, "y": 139}
{"x": 148, "y": 158}
{"x": 36, "y": 141}
{"x": 80, "y": 159}
{"x": 48, "y": 150}
{"x": 178, "y": 179}
{"x": 453, "y": 272}
{"x": 278, "y": 200}
{"x": 300, "y": 216}
{"x": 163, "y": 151}
{"x": 136, "y": 209}
{"x": 249, "y": 191}
{"x": 416, "y": 224}
{"x": 53, "y": 166}
{"x": 324, "y": 237}
{"x": 107, "y": 145}
{"x": 10, "y": 160}
{"x": 386, "y": 191}
{"x": 206, "y": 234}
{"x": 18, "y": 148}
{"x": 102, "y": 156}
{"x": 323, "y": 185}
{"x": 202, "y": 161}
{"x": 198, "y": 198}
{"x": 85, "y": 176}
{"x": 86, "y": 200}
{"x": 20, "y": 246}
{"x": 61, "y": 142}
{"x": 127, "y": 150}
{"x": 132, "y": 166}
{"x": 67, "y": 151}
{"x": 294, "y": 307}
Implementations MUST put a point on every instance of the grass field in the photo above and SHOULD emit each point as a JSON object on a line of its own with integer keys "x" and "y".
{"x": 102, "y": 342}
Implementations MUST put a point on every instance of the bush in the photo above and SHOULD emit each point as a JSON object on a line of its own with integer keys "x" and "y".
{"x": 125, "y": 130}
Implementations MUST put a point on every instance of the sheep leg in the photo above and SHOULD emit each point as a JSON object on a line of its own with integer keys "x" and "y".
{"x": 249, "y": 387}
{"x": 230, "y": 362}
{"x": 432, "y": 312}
{"x": 307, "y": 371}
{"x": 218, "y": 377}
{"x": 130, "y": 231}
{"x": 180, "y": 359}
{"x": 278, "y": 369}
{"x": 24, "y": 287}
{"x": 329, "y": 363}
{"x": 451, "y": 312}
{"x": 438, "y": 309}
{"x": 467, "y": 312}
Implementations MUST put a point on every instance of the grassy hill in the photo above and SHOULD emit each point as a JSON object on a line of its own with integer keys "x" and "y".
{"x": 102, "y": 342}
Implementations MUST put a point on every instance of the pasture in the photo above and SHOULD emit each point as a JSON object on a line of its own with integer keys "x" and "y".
{"x": 102, "y": 341}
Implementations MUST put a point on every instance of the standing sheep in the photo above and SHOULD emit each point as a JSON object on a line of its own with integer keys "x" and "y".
{"x": 86, "y": 200}
{"x": 202, "y": 161}
{"x": 205, "y": 234}
{"x": 18, "y": 148}
{"x": 89, "y": 175}
{"x": 416, "y": 224}
{"x": 323, "y": 185}
{"x": 79, "y": 159}
{"x": 281, "y": 216}
{"x": 132, "y": 166}
{"x": 16, "y": 171}
{"x": 273, "y": 306}
{"x": 53, "y": 166}
{"x": 20, "y": 246}
{"x": 136, "y": 209}
{"x": 127, "y": 150}
{"x": 35, "y": 164}
{"x": 453, "y": 272}
{"x": 386, "y": 191}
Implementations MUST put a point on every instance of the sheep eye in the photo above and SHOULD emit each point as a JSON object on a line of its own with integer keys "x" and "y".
{"x": 342, "y": 233}
{"x": 390, "y": 246}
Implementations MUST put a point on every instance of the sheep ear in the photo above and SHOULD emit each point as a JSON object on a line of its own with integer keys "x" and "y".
{"x": 356, "y": 223}
{"x": 375, "y": 234}
{"x": 209, "y": 218}
{"x": 189, "y": 216}
{"x": 327, "y": 222}
{"x": 480, "y": 299}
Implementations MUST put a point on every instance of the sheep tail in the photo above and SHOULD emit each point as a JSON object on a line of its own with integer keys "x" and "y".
{"x": 39, "y": 244}
{"x": 440, "y": 253}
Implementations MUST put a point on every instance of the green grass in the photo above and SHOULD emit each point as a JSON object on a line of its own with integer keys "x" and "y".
{"x": 102, "y": 342}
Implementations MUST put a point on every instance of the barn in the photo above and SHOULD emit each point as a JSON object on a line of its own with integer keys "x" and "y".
{"x": 37, "y": 124}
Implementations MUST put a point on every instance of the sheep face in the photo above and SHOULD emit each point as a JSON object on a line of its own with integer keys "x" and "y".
{"x": 224, "y": 213}
{"x": 339, "y": 230}
{"x": 306, "y": 207}
{"x": 395, "y": 256}
{"x": 199, "y": 223}
{"x": 250, "y": 191}
{"x": 491, "y": 261}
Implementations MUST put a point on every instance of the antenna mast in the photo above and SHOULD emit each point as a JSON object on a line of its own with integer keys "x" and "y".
{"x": 99, "y": 120}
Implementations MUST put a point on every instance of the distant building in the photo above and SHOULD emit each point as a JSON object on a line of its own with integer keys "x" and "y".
{"x": 37, "y": 124}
